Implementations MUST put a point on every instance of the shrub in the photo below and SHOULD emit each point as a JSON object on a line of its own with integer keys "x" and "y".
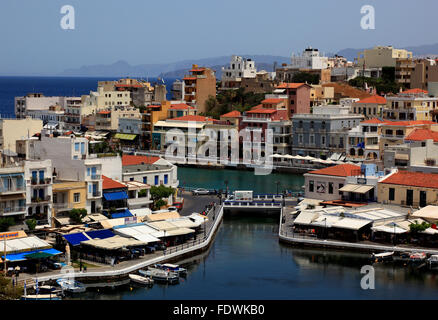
{"x": 31, "y": 224}
{"x": 77, "y": 215}
{"x": 5, "y": 223}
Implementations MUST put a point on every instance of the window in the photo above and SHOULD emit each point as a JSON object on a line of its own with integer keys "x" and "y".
{"x": 76, "y": 146}
{"x": 311, "y": 139}
{"x": 156, "y": 180}
{"x": 300, "y": 138}
{"x": 323, "y": 140}
{"x": 166, "y": 178}
{"x": 145, "y": 180}
{"x": 330, "y": 188}
{"x": 391, "y": 194}
{"x": 131, "y": 179}
{"x": 311, "y": 186}
{"x": 76, "y": 197}
{"x": 340, "y": 187}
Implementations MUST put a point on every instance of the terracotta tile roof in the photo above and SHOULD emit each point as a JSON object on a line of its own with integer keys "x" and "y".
{"x": 272, "y": 100}
{"x": 373, "y": 120}
{"x": 262, "y": 110}
{"x": 408, "y": 123}
{"x": 415, "y": 91}
{"x": 180, "y": 106}
{"x": 422, "y": 134}
{"x": 414, "y": 179}
{"x": 197, "y": 69}
{"x": 128, "y": 85}
{"x": 108, "y": 183}
{"x": 290, "y": 85}
{"x": 130, "y": 160}
{"x": 260, "y": 106}
{"x": 104, "y": 112}
{"x": 346, "y": 90}
{"x": 374, "y": 99}
{"x": 280, "y": 115}
{"x": 189, "y": 78}
{"x": 193, "y": 118}
{"x": 341, "y": 170}
{"x": 232, "y": 114}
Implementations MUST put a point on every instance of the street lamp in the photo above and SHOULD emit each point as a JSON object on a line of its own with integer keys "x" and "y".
{"x": 226, "y": 188}
{"x": 277, "y": 183}
{"x": 325, "y": 227}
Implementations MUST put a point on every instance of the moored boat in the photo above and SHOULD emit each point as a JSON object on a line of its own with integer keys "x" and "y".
{"x": 159, "y": 275}
{"x": 433, "y": 261}
{"x": 40, "y": 297}
{"x": 382, "y": 257}
{"x": 141, "y": 280}
{"x": 182, "y": 272}
{"x": 71, "y": 286}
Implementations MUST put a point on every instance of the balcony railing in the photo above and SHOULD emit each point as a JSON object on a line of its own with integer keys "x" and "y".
{"x": 95, "y": 194}
{"x": 9, "y": 210}
{"x": 95, "y": 177}
{"x": 41, "y": 181}
{"x": 11, "y": 190}
{"x": 38, "y": 199}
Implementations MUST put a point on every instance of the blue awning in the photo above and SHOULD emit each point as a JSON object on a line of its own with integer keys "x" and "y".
{"x": 100, "y": 234}
{"x": 124, "y": 214}
{"x": 75, "y": 238}
{"x": 121, "y": 195}
{"x": 22, "y": 255}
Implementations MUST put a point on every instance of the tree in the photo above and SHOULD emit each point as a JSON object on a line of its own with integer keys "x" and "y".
{"x": 31, "y": 224}
{"x": 5, "y": 223}
{"x": 417, "y": 227}
{"x": 77, "y": 215}
{"x": 8, "y": 291}
{"x": 160, "y": 192}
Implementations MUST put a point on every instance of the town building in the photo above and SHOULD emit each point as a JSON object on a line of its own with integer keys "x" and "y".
{"x": 371, "y": 107}
{"x": 12, "y": 130}
{"x": 115, "y": 198}
{"x": 363, "y": 141}
{"x": 262, "y": 83}
{"x": 12, "y": 191}
{"x": 413, "y": 104}
{"x": 311, "y": 58}
{"x": 425, "y": 71}
{"x": 180, "y": 110}
{"x": 407, "y": 188}
{"x": 403, "y": 71}
{"x": 320, "y": 95}
{"x": 297, "y": 97}
{"x": 239, "y": 68}
{"x": 151, "y": 115}
{"x": 381, "y": 56}
{"x": 68, "y": 195}
{"x": 199, "y": 86}
{"x": 324, "y": 132}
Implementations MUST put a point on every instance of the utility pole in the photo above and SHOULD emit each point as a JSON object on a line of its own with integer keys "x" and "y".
{"x": 4, "y": 255}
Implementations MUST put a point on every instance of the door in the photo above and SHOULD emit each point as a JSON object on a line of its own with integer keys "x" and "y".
{"x": 93, "y": 206}
{"x": 423, "y": 200}
{"x": 409, "y": 197}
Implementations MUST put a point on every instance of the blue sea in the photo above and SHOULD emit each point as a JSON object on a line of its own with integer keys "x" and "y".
{"x": 11, "y": 87}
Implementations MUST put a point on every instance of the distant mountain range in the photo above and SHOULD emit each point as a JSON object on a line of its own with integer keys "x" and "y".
{"x": 179, "y": 69}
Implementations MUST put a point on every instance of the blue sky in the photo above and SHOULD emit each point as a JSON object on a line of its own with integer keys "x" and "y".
{"x": 145, "y": 31}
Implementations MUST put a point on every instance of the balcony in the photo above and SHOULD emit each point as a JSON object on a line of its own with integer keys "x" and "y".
{"x": 95, "y": 177}
{"x": 44, "y": 181}
{"x": 138, "y": 201}
{"x": 95, "y": 194}
{"x": 41, "y": 200}
{"x": 62, "y": 206}
{"x": 5, "y": 191}
{"x": 9, "y": 211}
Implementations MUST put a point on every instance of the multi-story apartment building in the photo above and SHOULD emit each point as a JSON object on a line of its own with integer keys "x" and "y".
{"x": 13, "y": 191}
{"x": 297, "y": 97}
{"x": 370, "y": 107}
{"x": 260, "y": 119}
{"x": 239, "y": 68}
{"x": 33, "y": 102}
{"x": 323, "y": 132}
{"x": 262, "y": 83}
{"x": 425, "y": 71}
{"x": 178, "y": 90}
{"x": 413, "y": 104}
{"x": 181, "y": 109}
{"x": 68, "y": 195}
{"x": 74, "y": 112}
{"x": 38, "y": 177}
{"x": 149, "y": 117}
{"x": 12, "y": 130}
{"x": 381, "y": 56}
{"x": 403, "y": 71}
{"x": 198, "y": 86}
{"x": 320, "y": 95}
{"x": 363, "y": 141}
{"x": 108, "y": 120}
{"x": 311, "y": 58}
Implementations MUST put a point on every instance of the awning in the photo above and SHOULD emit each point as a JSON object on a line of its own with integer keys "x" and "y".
{"x": 305, "y": 218}
{"x": 124, "y": 214}
{"x": 349, "y": 188}
{"x": 389, "y": 229}
{"x": 125, "y": 136}
{"x": 22, "y": 255}
{"x": 350, "y": 223}
{"x": 279, "y": 90}
{"x": 121, "y": 195}
{"x": 402, "y": 156}
{"x": 363, "y": 189}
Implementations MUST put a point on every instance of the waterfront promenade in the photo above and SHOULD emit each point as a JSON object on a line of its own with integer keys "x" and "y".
{"x": 286, "y": 235}
{"x": 201, "y": 243}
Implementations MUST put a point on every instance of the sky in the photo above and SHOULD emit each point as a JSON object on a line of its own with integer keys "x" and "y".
{"x": 147, "y": 32}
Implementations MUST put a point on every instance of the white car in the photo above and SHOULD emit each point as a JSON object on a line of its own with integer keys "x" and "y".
{"x": 200, "y": 191}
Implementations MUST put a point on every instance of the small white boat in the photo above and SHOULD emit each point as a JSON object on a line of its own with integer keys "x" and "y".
{"x": 71, "y": 286}
{"x": 433, "y": 261}
{"x": 161, "y": 275}
{"x": 384, "y": 256}
{"x": 40, "y": 297}
{"x": 141, "y": 280}
{"x": 182, "y": 272}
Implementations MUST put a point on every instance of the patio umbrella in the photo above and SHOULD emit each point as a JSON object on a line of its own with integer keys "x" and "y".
{"x": 38, "y": 255}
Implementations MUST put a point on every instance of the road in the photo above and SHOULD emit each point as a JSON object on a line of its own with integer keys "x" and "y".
{"x": 196, "y": 203}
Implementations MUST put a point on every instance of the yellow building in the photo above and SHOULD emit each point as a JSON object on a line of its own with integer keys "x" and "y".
{"x": 69, "y": 195}
{"x": 320, "y": 95}
{"x": 408, "y": 188}
{"x": 12, "y": 130}
{"x": 413, "y": 104}
{"x": 381, "y": 56}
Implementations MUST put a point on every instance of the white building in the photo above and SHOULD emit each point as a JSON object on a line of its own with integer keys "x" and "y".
{"x": 239, "y": 68}
{"x": 310, "y": 59}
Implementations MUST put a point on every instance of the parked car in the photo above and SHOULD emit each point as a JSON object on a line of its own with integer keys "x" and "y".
{"x": 178, "y": 205}
{"x": 200, "y": 191}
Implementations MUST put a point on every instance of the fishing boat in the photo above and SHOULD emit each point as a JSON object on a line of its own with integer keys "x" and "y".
{"x": 159, "y": 275}
{"x": 141, "y": 280}
{"x": 71, "y": 286}
{"x": 417, "y": 257}
{"x": 182, "y": 272}
{"x": 40, "y": 297}
{"x": 382, "y": 257}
